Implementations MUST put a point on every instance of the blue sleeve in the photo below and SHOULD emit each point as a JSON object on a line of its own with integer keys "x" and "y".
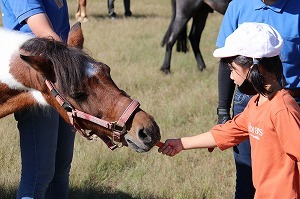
{"x": 229, "y": 23}
{"x": 25, "y": 8}
{"x": 15, "y": 12}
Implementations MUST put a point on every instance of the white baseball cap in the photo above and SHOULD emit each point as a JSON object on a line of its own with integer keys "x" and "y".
{"x": 251, "y": 39}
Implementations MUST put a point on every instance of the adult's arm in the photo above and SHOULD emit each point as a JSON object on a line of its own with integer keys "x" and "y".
{"x": 226, "y": 86}
{"x": 226, "y": 89}
{"x": 41, "y": 26}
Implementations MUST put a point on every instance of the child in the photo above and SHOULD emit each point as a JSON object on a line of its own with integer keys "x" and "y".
{"x": 271, "y": 119}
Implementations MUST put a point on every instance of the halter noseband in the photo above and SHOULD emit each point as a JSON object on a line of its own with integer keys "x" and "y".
{"x": 117, "y": 128}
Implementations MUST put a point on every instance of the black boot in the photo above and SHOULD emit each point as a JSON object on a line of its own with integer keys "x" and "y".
{"x": 127, "y": 8}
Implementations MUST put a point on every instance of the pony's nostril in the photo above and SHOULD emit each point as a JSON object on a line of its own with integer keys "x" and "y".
{"x": 142, "y": 134}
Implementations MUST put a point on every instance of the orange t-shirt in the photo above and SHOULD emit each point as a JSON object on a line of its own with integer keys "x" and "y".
{"x": 274, "y": 132}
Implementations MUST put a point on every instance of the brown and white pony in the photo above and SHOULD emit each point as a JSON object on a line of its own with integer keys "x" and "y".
{"x": 81, "y": 11}
{"x": 42, "y": 71}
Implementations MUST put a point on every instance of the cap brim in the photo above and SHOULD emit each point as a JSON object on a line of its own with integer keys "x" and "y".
{"x": 224, "y": 52}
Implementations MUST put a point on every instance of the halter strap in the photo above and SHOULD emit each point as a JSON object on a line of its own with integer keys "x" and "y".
{"x": 117, "y": 128}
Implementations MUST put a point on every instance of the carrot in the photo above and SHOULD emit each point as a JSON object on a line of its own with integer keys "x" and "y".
{"x": 159, "y": 144}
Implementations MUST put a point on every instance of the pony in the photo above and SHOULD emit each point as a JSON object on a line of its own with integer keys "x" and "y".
{"x": 182, "y": 12}
{"x": 45, "y": 72}
{"x": 81, "y": 11}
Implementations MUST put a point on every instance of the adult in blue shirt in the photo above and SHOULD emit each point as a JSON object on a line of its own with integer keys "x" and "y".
{"x": 46, "y": 140}
{"x": 283, "y": 15}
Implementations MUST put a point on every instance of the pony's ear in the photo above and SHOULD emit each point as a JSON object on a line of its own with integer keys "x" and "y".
{"x": 75, "y": 38}
{"x": 41, "y": 64}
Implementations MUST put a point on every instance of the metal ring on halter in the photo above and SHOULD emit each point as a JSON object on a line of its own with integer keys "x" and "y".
{"x": 118, "y": 144}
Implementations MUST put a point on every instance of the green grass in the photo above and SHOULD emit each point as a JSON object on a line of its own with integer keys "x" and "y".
{"x": 183, "y": 103}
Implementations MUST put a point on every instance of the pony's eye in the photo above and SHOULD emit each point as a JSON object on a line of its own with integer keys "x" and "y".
{"x": 80, "y": 96}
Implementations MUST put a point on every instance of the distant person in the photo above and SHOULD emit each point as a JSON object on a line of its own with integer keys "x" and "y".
{"x": 111, "y": 10}
{"x": 271, "y": 119}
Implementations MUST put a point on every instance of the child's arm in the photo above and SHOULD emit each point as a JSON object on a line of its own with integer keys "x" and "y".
{"x": 174, "y": 146}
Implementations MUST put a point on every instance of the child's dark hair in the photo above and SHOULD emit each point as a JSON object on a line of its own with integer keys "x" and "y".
{"x": 272, "y": 65}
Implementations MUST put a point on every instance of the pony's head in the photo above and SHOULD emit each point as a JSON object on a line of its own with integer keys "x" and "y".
{"x": 83, "y": 92}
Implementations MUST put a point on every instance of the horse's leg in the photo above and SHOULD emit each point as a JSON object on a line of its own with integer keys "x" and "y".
{"x": 77, "y": 15}
{"x": 176, "y": 28}
{"x": 81, "y": 11}
{"x": 199, "y": 20}
{"x": 14, "y": 100}
{"x": 180, "y": 18}
{"x": 166, "y": 64}
{"x": 167, "y": 60}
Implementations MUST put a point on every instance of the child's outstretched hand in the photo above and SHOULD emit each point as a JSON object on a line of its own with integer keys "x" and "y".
{"x": 171, "y": 147}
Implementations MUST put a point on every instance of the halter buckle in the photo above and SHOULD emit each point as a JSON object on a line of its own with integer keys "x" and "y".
{"x": 118, "y": 128}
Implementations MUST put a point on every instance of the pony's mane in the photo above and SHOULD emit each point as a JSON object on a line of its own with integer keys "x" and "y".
{"x": 69, "y": 63}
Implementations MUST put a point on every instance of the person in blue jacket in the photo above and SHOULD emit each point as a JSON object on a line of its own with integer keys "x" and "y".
{"x": 46, "y": 140}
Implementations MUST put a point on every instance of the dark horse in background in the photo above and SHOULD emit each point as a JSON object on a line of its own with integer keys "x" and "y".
{"x": 182, "y": 12}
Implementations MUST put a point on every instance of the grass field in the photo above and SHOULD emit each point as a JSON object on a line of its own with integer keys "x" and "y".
{"x": 183, "y": 103}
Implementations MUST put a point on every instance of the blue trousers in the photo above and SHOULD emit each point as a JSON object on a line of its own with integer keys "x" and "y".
{"x": 242, "y": 155}
{"x": 47, "y": 144}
